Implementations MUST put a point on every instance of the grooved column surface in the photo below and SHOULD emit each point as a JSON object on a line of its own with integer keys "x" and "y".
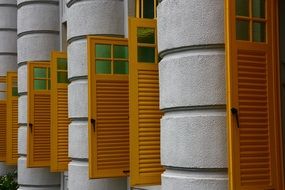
{"x": 38, "y": 35}
{"x": 192, "y": 94}
{"x": 98, "y": 17}
{"x": 8, "y": 48}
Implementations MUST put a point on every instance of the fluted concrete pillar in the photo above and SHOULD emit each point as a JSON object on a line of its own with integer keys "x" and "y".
{"x": 97, "y": 17}
{"x": 8, "y": 48}
{"x": 38, "y": 35}
{"x": 192, "y": 94}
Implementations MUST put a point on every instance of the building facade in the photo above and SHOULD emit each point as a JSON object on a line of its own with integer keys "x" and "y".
{"x": 142, "y": 94}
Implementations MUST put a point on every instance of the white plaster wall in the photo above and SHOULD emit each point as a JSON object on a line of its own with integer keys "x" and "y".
{"x": 192, "y": 22}
{"x": 96, "y": 17}
{"x": 192, "y": 94}
{"x": 37, "y": 46}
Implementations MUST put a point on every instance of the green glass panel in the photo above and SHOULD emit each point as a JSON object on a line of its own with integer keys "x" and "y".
{"x": 259, "y": 34}
{"x": 121, "y": 51}
{"x": 242, "y": 30}
{"x": 258, "y": 8}
{"x": 146, "y": 35}
{"x": 14, "y": 91}
{"x": 146, "y": 54}
{"x": 61, "y": 64}
{"x": 121, "y": 67}
{"x": 103, "y": 51}
{"x": 242, "y": 8}
{"x": 48, "y": 72}
{"x": 40, "y": 85}
{"x": 148, "y": 11}
{"x": 62, "y": 77}
{"x": 40, "y": 72}
{"x": 103, "y": 67}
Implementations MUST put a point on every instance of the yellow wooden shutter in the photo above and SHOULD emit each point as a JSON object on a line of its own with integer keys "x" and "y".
{"x": 12, "y": 119}
{"x": 252, "y": 105}
{"x": 144, "y": 103}
{"x": 59, "y": 110}
{"x": 108, "y": 107}
{"x": 3, "y": 120}
{"x": 38, "y": 114}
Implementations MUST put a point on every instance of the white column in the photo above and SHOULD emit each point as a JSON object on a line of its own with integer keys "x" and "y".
{"x": 192, "y": 94}
{"x": 38, "y": 35}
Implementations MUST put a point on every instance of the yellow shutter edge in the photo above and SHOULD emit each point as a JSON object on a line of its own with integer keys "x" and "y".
{"x": 55, "y": 165}
{"x": 30, "y": 117}
{"x": 228, "y": 30}
{"x": 9, "y": 131}
{"x": 90, "y": 56}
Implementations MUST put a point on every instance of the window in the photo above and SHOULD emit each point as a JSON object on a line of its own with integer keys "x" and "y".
{"x": 146, "y": 9}
{"x": 39, "y": 84}
{"x": 145, "y": 167}
{"x": 251, "y": 20}
{"x": 252, "y": 95}
{"x": 59, "y": 112}
{"x": 12, "y": 119}
{"x": 3, "y": 117}
{"x": 108, "y": 112}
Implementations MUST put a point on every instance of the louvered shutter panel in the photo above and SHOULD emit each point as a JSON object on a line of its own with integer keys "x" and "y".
{"x": 59, "y": 110}
{"x": 144, "y": 104}
{"x": 108, "y": 115}
{"x": 254, "y": 128}
{"x": 12, "y": 119}
{"x": 3, "y": 120}
{"x": 38, "y": 114}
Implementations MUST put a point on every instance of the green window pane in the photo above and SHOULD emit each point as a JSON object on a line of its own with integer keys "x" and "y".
{"x": 146, "y": 35}
{"x": 61, "y": 64}
{"x": 146, "y": 54}
{"x": 40, "y": 85}
{"x": 259, "y": 34}
{"x": 103, "y": 51}
{"x": 103, "y": 67}
{"x": 242, "y": 8}
{"x": 121, "y": 51}
{"x": 14, "y": 91}
{"x": 62, "y": 77}
{"x": 121, "y": 67}
{"x": 40, "y": 72}
{"x": 242, "y": 30}
{"x": 148, "y": 8}
{"x": 258, "y": 8}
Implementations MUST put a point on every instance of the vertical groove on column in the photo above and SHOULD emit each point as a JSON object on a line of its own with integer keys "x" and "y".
{"x": 105, "y": 17}
{"x": 192, "y": 94}
{"x": 8, "y": 48}
{"x": 38, "y": 35}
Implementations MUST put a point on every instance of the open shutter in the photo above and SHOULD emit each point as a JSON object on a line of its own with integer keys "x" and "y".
{"x": 59, "y": 110}
{"x": 38, "y": 114}
{"x": 3, "y": 119}
{"x": 108, "y": 107}
{"x": 144, "y": 103}
{"x": 253, "y": 109}
{"x": 12, "y": 119}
